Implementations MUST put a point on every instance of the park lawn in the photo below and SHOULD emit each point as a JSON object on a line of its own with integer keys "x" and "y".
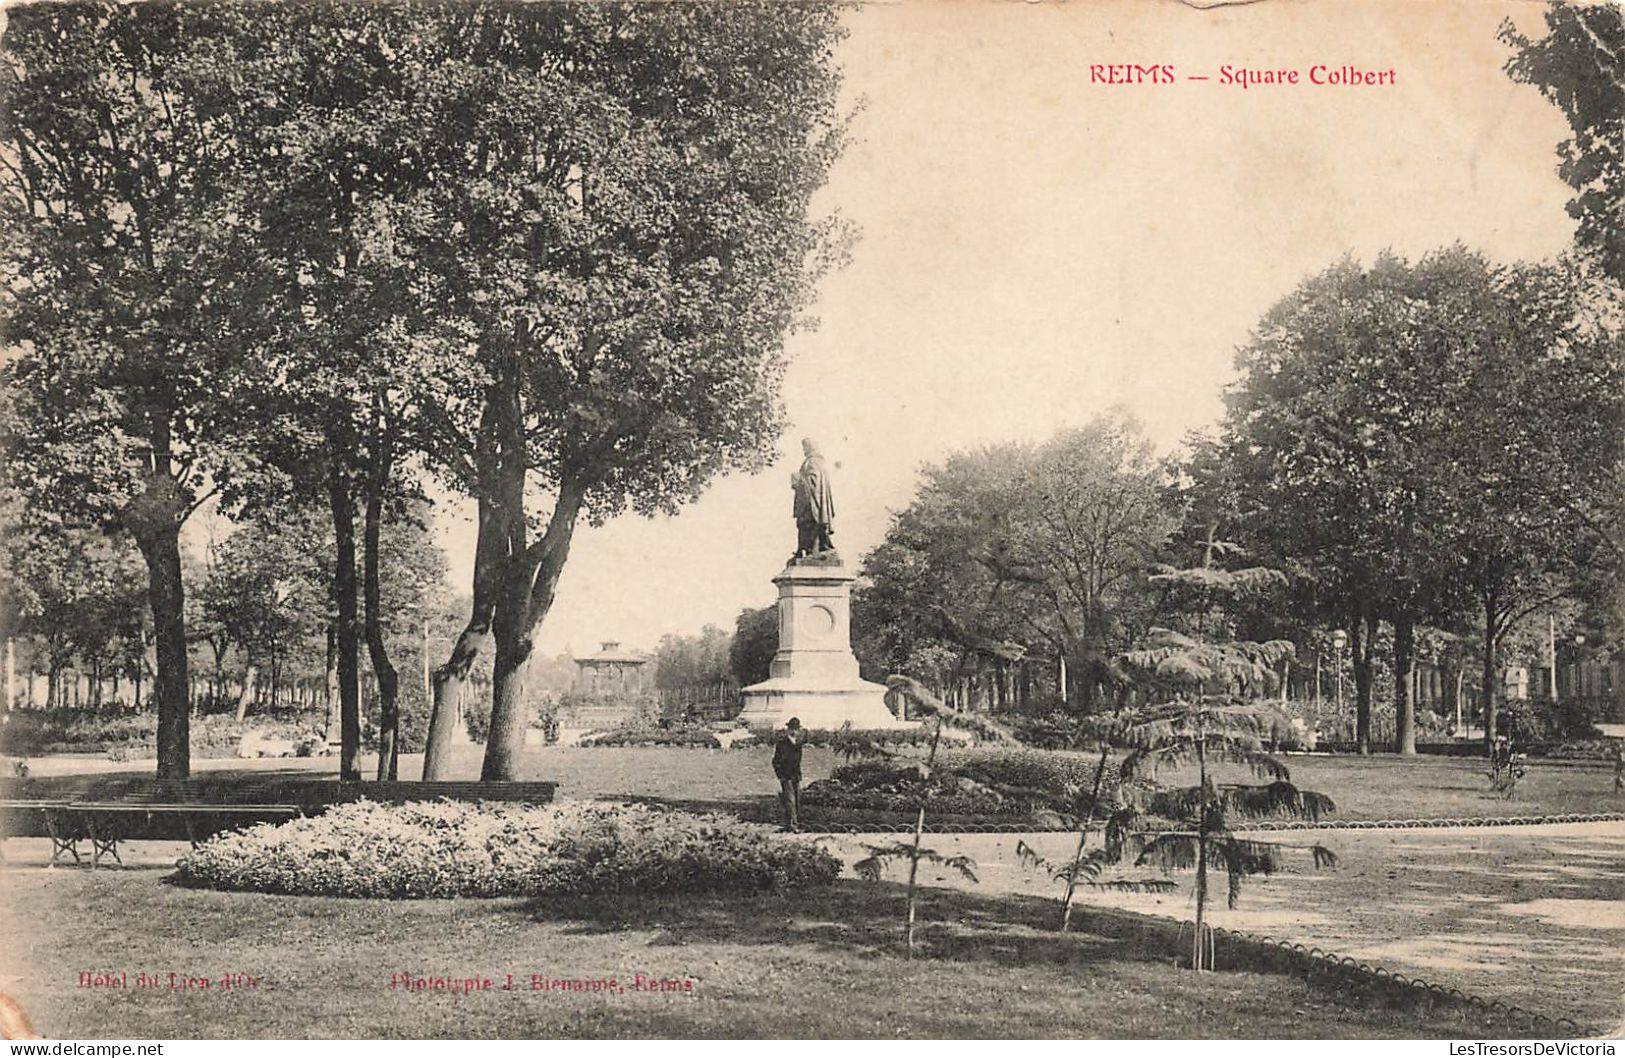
{"x": 822, "y": 963}
{"x": 1381, "y": 786}
{"x": 1526, "y": 915}
{"x": 1385, "y": 786}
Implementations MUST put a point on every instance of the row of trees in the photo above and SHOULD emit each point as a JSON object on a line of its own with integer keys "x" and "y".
{"x": 548, "y": 254}
{"x": 1431, "y": 444}
{"x": 1412, "y": 452}
{"x": 259, "y": 613}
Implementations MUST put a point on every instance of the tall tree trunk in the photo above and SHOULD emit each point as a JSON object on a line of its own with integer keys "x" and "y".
{"x": 530, "y": 582}
{"x": 347, "y": 628}
{"x": 1362, "y": 631}
{"x": 512, "y": 646}
{"x": 245, "y": 694}
{"x": 161, "y": 548}
{"x": 451, "y": 678}
{"x": 389, "y": 713}
{"x": 1198, "y": 942}
{"x": 330, "y": 684}
{"x": 1448, "y": 684}
{"x": 1404, "y": 684}
{"x": 1487, "y": 690}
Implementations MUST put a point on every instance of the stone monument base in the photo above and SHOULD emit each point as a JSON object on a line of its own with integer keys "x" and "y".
{"x": 819, "y": 708}
{"x": 814, "y": 676}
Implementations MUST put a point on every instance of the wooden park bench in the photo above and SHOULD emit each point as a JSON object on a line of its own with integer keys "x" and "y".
{"x": 106, "y": 813}
{"x": 105, "y": 823}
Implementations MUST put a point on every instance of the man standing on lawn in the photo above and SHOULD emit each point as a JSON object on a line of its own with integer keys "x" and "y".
{"x": 787, "y": 766}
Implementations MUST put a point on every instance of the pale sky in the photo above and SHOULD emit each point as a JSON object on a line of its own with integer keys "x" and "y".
{"x": 1035, "y": 248}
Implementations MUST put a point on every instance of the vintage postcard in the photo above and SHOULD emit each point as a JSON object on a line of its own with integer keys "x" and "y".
{"x": 769, "y": 519}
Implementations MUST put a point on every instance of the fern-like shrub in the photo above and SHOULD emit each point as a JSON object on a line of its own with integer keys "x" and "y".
{"x": 1185, "y": 827}
{"x": 448, "y": 849}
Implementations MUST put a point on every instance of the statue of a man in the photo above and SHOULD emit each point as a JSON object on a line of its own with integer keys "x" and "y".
{"x": 814, "y": 503}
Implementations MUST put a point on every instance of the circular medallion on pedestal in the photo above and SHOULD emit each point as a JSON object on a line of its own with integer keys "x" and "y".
{"x": 818, "y": 622}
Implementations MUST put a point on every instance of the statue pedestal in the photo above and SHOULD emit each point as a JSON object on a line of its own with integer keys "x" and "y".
{"x": 814, "y": 675}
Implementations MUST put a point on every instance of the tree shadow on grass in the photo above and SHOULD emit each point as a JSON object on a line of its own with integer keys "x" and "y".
{"x": 865, "y": 920}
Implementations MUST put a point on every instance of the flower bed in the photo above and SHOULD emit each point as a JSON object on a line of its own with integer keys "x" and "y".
{"x": 449, "y": 848}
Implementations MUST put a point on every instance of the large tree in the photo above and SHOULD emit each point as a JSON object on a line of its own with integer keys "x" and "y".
{"x": 75, "y": 593}
{"x": 263, "y": 591}
{"x": 624, "y": 240}
{"x": 1023, "y": 550}
{"x": 1534, "y": 509}
{"x": 943, "y": 595}
{"x": 324, "y": 115}
{"x": 115, "y": 258}
{"x": 1095, "y": 518}
{"x": 1397, "y": 433}
{"x": 1333, "y": 436}
{"x": 1580, "y": 66}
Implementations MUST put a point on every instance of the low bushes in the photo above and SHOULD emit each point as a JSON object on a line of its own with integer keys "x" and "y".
{"x": 446, "y": 848}
{"x": 686, "y": 735}
{"x": 126, "y": 735}
{"x": 1542, "y": 721}
{"x": 29, "y": 732}
{"x": 1053, "y": 730}
{"x": 881, "y": 736}
{"x": 1006, "y": 783}
{"x": 699, "y": 736}
{"x": 1576, "y": 749}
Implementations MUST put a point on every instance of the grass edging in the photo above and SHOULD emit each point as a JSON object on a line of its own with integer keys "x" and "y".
{"x": 1311, "y": 958}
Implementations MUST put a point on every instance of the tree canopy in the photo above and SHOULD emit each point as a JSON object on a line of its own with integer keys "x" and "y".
{"x": 1579, "y": 65}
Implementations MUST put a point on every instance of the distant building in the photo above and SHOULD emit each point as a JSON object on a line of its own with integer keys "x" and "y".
{"x": 612, "y": 672}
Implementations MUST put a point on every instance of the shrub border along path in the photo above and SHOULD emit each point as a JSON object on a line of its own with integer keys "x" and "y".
{"x": 814, "y": 822}
{"x": 1309, "y": 960}
{"x": 1320, "y": 959}
{"x": 998, "y": 826}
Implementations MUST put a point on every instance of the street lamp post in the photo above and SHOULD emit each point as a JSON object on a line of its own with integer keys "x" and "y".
{"x": 1339, "y": 638}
